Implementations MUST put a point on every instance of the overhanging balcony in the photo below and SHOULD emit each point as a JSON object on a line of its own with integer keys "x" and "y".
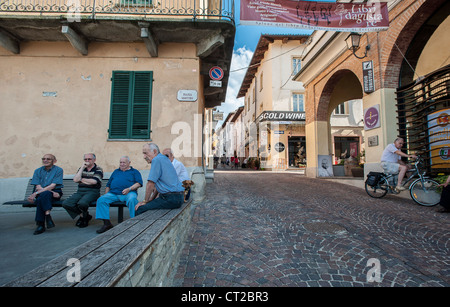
{"x": 207, "y": 23}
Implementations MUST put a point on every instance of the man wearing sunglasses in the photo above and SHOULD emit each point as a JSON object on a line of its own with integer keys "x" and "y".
{"x": 48, "y": 182}
{"x": 89, "y": 178}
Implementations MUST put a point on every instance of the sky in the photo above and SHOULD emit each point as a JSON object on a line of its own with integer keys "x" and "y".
{"x": 245, "y": 42}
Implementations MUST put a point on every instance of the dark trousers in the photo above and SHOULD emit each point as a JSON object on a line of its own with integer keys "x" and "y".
{"x": 79, "y": 202}
{"x": 163, "y": 201}
{"x": 445, "y": 197}
{"x": 43, "y": 203}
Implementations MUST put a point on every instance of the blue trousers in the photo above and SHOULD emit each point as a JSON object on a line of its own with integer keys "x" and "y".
{"x": 163, "y": 201}
{"x": 43, "y": 203}
{"x": 102, "y": 211}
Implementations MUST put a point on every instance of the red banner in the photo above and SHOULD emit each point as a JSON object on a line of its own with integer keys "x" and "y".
{"x": 346, "y": 17}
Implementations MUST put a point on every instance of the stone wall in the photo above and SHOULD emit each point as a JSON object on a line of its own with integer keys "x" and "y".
{"x": 156, "y": 267}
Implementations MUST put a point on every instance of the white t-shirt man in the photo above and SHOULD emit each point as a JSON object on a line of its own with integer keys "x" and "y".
{"x": 181, "y": 170}
{"x": 389, "y": 154}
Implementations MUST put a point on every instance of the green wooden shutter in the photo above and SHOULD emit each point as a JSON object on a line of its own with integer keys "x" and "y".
{"x": 130, "y": 105}
{"x": 140, "y": 127}
{"x": 119, "y": 105}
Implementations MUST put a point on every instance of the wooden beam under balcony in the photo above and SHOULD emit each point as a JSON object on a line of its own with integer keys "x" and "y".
{"x": 77, "y": 41}
{"x": 9, "y": 43}
{"x": 150, "y": 42}
{"x": 207, "y": 45}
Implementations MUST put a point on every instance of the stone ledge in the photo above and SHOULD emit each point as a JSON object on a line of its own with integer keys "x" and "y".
{"x": 142, "y": 251}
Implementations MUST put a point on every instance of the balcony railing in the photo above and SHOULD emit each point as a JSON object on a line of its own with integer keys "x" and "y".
{"x": 75, "y": 10}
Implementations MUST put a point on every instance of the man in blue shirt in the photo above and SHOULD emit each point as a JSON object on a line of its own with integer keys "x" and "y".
{"x": 121, "y": 186}
{"x": 48, "y": 182}
{"x": 162, "y": 179}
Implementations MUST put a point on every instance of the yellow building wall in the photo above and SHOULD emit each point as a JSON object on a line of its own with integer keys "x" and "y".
{"x": 74, "y": 119}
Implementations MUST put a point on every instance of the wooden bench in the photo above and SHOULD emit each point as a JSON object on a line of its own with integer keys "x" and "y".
{"x": 141, "y": 251}
{"x": 70, "y": 187}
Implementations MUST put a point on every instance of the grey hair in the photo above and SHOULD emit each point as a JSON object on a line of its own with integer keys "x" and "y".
{"x": 153, "y": 146}
{"x": 399, "y": 139}
{"x": 126, "y": 157}
{"x": 90, "y": 153}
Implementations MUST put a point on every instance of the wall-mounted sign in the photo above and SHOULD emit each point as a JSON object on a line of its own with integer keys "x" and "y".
{"x": 373, "y": 140}
{"x": 216, "y": 73}
{"x": 213, "y": 83}
{"x": 372, "y": 117}
{"x": 368, "y": 79}
{"x": 187, "y": 95}
{"x": 281, "y": 115}
{"x": 217, "y": 116}
{"x": 279, "y": 147}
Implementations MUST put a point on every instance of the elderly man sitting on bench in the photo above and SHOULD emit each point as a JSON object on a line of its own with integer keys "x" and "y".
{"x": 121, "y": 186}
{"x": 162, "y": 179}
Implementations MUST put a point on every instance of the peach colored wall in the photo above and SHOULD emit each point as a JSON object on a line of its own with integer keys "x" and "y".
{"x": 76, "y": 121}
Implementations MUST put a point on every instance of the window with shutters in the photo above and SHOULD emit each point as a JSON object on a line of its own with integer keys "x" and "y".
{"x": 131, "y": 101}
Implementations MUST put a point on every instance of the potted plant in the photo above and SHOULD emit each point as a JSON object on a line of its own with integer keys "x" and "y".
{"x": 338, "y": 169}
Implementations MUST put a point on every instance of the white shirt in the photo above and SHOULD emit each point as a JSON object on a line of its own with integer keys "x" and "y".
{"x": 181, "y": 170}
{"x": 389, "y": 154}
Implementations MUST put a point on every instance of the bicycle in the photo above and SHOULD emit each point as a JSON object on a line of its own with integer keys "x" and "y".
{"x": 422, "y": 190}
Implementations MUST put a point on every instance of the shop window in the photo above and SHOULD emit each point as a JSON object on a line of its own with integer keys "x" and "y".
{"x": 297, "y": 151}
{"x": 344, "y": 147}
{"x": 297, "y": 103}
{"x": 131, "y": 100}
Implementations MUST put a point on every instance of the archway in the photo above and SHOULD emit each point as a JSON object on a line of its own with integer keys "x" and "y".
{"x": 341, "y": 87}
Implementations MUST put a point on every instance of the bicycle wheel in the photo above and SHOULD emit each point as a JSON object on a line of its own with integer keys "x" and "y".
{"x": 424, "y": 193}
{"x": 378, "y": 191}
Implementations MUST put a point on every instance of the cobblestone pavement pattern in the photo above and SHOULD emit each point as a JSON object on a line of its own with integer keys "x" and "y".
{"x": 278, "y": 229}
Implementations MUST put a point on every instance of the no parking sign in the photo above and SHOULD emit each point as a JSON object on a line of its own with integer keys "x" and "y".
{"x": 216, "y": 73}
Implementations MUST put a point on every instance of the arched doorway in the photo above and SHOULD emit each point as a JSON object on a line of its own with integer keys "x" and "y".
{"x": 343, "y": 86}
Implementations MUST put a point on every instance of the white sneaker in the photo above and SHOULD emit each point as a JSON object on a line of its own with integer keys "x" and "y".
{"x": 399, "y": 188}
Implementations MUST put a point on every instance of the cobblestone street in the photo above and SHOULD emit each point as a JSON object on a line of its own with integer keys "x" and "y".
{"x": 284, "y": 229}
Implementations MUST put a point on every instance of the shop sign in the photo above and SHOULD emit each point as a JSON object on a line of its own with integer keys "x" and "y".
{"x": 281, "y": 115}
{"x": 279, "y": 147}
{"x": 368, "y": 79}
{"x": 372, "y": 117}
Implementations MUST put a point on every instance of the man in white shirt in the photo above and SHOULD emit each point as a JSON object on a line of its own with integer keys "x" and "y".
{"x": 392, "y": 163}
{"x": 182, "y": 173}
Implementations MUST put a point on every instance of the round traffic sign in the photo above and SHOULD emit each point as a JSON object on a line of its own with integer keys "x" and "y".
{"x": 216, "y": 73}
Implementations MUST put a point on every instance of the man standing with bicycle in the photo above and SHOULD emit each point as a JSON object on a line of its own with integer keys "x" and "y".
{"x": 392, "y": 164}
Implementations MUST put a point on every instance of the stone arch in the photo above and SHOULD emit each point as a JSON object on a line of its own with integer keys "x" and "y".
{"x": 353, "y": 90}
{"x": 343, "y": 85}
{"x": 407, "y": 28}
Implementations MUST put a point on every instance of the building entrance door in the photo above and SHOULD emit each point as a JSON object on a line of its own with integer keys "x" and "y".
{"x": 297, "y": 151}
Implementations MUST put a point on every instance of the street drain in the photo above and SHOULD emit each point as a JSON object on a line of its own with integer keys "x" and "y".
{"x": 325, "y": 227}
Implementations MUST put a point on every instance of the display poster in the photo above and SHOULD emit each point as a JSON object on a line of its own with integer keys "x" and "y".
{"x": 324, "y": 167}
{"x": 345, "y": 17}
{"x": 439, "y": 138}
